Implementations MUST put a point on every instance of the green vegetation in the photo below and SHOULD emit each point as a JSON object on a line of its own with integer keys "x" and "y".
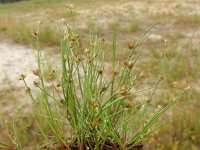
{"x": 9, "y": 1}
{"x": 99, "y": 112}
{"x": 47, "y": 122}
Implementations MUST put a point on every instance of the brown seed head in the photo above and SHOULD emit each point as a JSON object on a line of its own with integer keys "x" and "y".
{"x": 36, "y": 34}
{"x": 125, "y": 92}
{"x": 130, "y": 46}
{"x": 100, "y": 71}
{"x": 36, "y": 72}
{"x": 128, "y": 64}
{"x": 103, "y": 90}
{"x": 116, "y": 72}
{"x": 129, "y": 105}
{"x": 58, "y": 85}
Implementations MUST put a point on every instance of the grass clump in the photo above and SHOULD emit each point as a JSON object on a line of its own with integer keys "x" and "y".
{"x": 84, "y": 107}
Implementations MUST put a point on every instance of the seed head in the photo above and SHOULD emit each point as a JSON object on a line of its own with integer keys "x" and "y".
{"x": 116, "y": 72}
{"x": 125, "y": 92}
{"x": 62, "y": 101}
{"x": 138, "y": 107}
{"x": 100, "y": 71}
{"x": 77, "y": 58}
{"x": 36, "y": 72}
{"x": 188, "y": 88}
{"x": 52, "y": 75}
{"x": 28, "y": 90}
{"x": 22, "y": 76}
{"x": 130, "y": 46}
{"x": 58, "y": 85}
{"x": 69, "y": 5}
{"x": 94, "y": 104}
{"x": 36, "y": 34}
{"x": 36, "y": 83}
{"x": 86, "y": 51}
{"x": 103, "y": 90}
{"x": 161, "y": 77}
{"x": 141, "y": 74}
{"x": 148, "y": 100}
{"x": 129, "y": 105}
{"x": 128, "y": 64}
{"x": 174, "y": 84}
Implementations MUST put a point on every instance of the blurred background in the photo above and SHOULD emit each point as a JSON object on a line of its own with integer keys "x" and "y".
{"x": 178, "y": 23}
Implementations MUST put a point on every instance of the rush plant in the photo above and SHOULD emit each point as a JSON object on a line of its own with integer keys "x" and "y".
{"x": 90, "y": 105}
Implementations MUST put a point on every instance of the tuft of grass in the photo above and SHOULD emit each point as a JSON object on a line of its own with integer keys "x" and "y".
{"x": 98, "y": 109}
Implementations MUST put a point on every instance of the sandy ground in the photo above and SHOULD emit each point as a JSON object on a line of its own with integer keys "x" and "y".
{"x": 15, "y": 60}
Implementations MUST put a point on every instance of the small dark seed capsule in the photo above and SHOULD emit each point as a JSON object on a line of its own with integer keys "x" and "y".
{"x": 129, "y": 104}
{"x": 128, "y": 64}
{"x": 130, "y": 46}
{"x": 36, "y": 72}
{"x": 103, "y": 90}
{"x": 36, "y": 34}
{"x": 36, "y": 83}
{"x": 100, "y": 71}
{"x": 58, "y": 85}
{"x": 116, "y": 72}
